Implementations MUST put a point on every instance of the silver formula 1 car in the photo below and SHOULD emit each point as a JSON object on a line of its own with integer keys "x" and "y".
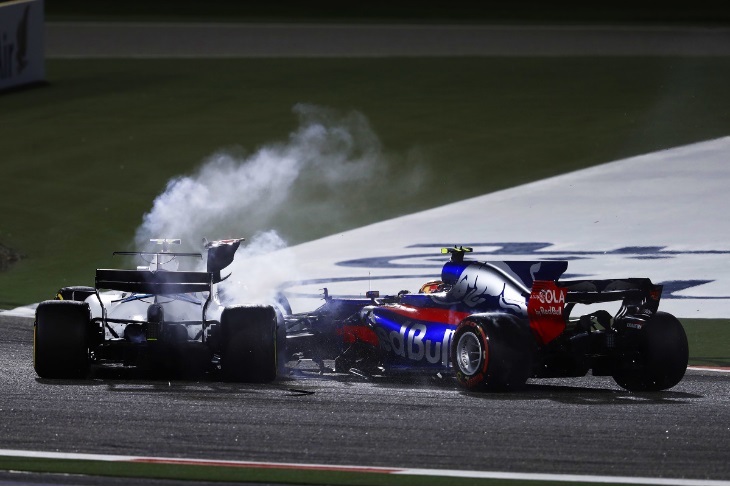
{"x": 158, "y": 318}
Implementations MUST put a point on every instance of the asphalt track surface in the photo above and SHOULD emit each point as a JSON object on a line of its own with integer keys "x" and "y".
{"x": 575, "y": 426}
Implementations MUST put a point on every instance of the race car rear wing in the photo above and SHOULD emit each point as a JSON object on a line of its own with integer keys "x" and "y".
{"x": 551, "y": 302}
{"x": 632, "y": 291}
{"x": 149, "y": 282}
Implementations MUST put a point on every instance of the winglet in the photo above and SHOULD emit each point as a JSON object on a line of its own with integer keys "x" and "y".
{"x": 208, "y": 244}
{"x": 220, "y": 255}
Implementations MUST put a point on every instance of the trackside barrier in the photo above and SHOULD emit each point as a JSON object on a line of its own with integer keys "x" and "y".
{"x": 21, "y": 43}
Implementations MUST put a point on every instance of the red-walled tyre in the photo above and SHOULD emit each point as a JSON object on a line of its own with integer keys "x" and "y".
{"x": 493, "y": 352}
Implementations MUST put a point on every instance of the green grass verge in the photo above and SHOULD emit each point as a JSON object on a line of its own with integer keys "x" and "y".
{"x": 709, "y": 342}
{"x": 205, "y": 474}
{"x": 84, "y": 157}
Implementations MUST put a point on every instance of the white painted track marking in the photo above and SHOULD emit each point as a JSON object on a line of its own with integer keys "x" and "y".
{"x": 661, "y": 215}
{"x": 539, "y": 477}
{"x": 719, "y": 370}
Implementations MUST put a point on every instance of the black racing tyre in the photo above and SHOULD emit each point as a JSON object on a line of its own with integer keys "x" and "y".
{"x": 60, "y": 339}
{"x": 493, "y": 352}
{"x": 281, "y": 351}
{"x": 75, "y": 293}
{"x": 248, "y": 350}
{"x": 662, "y": 359}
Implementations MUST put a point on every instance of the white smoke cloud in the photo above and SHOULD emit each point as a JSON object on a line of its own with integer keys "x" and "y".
{"x": 329, "y": 168}
{"x": 258, "y": 270}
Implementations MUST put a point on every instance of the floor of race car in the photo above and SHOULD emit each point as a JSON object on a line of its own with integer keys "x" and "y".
{"x": 571, "y": 426}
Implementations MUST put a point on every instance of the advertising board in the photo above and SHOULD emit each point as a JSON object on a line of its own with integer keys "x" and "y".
{"x": 21, "y": 43}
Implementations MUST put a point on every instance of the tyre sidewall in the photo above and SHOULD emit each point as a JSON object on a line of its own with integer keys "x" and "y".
{"x": 249, "y": 347}
{"x": 477, "y": 380}
{"x": 61, "y": 339}
{"x": 509, "y": 352}
{"x": 664, "y": 353}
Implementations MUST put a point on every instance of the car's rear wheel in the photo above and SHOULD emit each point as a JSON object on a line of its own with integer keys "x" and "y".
{"x": 249, "y": 343}
{"x": 660, "y": 356}
{"x": 492, "y": 352}
{"x": 60, "y": 339}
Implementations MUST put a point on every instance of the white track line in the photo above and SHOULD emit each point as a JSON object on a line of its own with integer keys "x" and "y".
{"x": 722, "y": 370}
{"x": 540, "y": 477}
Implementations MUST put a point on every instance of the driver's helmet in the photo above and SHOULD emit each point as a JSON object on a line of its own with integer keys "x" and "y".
{"x": 432, "y": 287}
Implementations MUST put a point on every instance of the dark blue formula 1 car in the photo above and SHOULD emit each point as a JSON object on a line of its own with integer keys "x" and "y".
{"x": 496, "y": 324}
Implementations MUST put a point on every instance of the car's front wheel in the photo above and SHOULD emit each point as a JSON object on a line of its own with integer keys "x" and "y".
{"x": 75, "y": 293}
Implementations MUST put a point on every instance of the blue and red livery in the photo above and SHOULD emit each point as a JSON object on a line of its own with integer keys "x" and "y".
{"x": 494, "y": 325}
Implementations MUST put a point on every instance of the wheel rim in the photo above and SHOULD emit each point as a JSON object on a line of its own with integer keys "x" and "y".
{"x": 469, "y": 353}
